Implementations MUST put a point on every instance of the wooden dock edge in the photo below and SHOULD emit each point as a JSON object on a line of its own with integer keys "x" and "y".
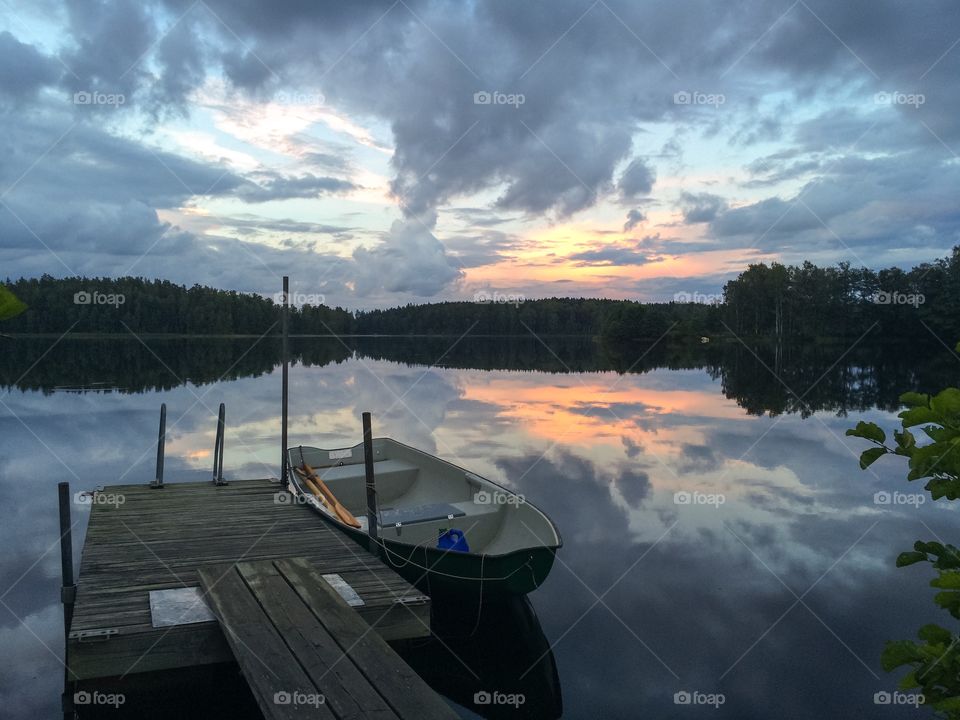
{"x": 304, "y": 651}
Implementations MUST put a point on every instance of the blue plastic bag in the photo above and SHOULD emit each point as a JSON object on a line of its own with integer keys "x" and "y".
{"x": 453, "y": 539}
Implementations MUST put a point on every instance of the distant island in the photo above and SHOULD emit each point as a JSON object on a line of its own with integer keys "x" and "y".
{"x": 764, "y": 301}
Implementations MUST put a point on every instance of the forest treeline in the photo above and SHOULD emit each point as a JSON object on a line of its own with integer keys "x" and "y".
{"x": 803, "y": 301}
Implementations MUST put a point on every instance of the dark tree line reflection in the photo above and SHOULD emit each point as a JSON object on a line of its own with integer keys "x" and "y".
{"x": 762, "y": 378}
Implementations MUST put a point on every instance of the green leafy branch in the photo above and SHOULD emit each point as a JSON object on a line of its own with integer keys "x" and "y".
{"x": 10, "y": 304}
{"x": 934, "y": 662}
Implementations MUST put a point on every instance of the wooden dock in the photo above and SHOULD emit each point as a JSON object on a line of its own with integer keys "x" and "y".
{"x": 160, "y": 539}
{"x": 305, "y": 652}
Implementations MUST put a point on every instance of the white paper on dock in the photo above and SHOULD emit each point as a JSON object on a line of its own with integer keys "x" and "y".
{"x": 344, "y": 590}
{"x": 179, "y": 606}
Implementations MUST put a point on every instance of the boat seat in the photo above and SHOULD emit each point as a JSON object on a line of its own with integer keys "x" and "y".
{"x": 348, "y": 482}
{"x": 381, "y": 468}
{"x": 419, "y": 513}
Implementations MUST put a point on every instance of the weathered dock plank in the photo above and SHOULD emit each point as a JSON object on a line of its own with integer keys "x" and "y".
{"x": 162, "y": 539}
{"x": 305, "y": 652}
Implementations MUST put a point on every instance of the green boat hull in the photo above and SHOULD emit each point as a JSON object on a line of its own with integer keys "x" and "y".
{"x": 449, "y": 572}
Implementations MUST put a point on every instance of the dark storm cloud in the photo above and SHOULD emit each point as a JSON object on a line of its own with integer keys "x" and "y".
{"x": 23, "y": 69}
{"x": 637, "y": 180}
{"x": 877, "y": 203}
{"x": 327, "y": 160}
{"x": 592, "y": 81}
{"x": 612, "y": 256}
{"x": 283, "y": 188}
{"x": 477, "y": 250}
{"x": 697, "y": 459}
{"x": 634, "y": 218}
{"x": 634, "y": 486}
{"x": 701, "y": 207}
{"x": 253, "y": 223}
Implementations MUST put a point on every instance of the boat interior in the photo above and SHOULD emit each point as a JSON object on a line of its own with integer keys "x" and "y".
{"x": 420, "y": 496}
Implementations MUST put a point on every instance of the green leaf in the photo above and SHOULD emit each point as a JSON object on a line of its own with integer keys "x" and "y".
{"x": 869, "y": 456}
{"x": 10, "y": 304}
{"x": 918, "y": 416}
{"x": 900, "y": 652}
{"x": 947, "y": 581}
{"x": 946, "y": 402}
{"x": 909, "y": 558}
{"x": 914, "y": 399}
{"x": 939, "y": 434}
{"x": 947, "y": 705}
{"x": 949, "y": 600}
{"x": 905, "y": 442}
{"x": 868, "y": 431}
{"x": 934, "y": 634}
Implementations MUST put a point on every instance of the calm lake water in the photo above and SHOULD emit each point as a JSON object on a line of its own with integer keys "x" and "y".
{"x": 773, "y": 588}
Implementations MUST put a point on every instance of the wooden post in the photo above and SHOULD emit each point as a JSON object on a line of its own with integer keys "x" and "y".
{"x": 66, "y": 555}
{"x": 161, "y": 444}
{"x": 68, "y": 591}
{"x": 284, "y": 480}
{"x": 372, "y": 528}
{"x": 218, "y": 446}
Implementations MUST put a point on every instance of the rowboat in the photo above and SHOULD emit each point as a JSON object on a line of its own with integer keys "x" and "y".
{"x": 442, "y": 528}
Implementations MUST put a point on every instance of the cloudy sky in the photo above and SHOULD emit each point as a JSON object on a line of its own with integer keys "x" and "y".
{"x": 385, "y": 152}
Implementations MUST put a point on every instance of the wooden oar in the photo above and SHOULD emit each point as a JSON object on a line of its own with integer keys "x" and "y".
{"x": 345, "y": 515}
{"x": 311, "y": 486}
